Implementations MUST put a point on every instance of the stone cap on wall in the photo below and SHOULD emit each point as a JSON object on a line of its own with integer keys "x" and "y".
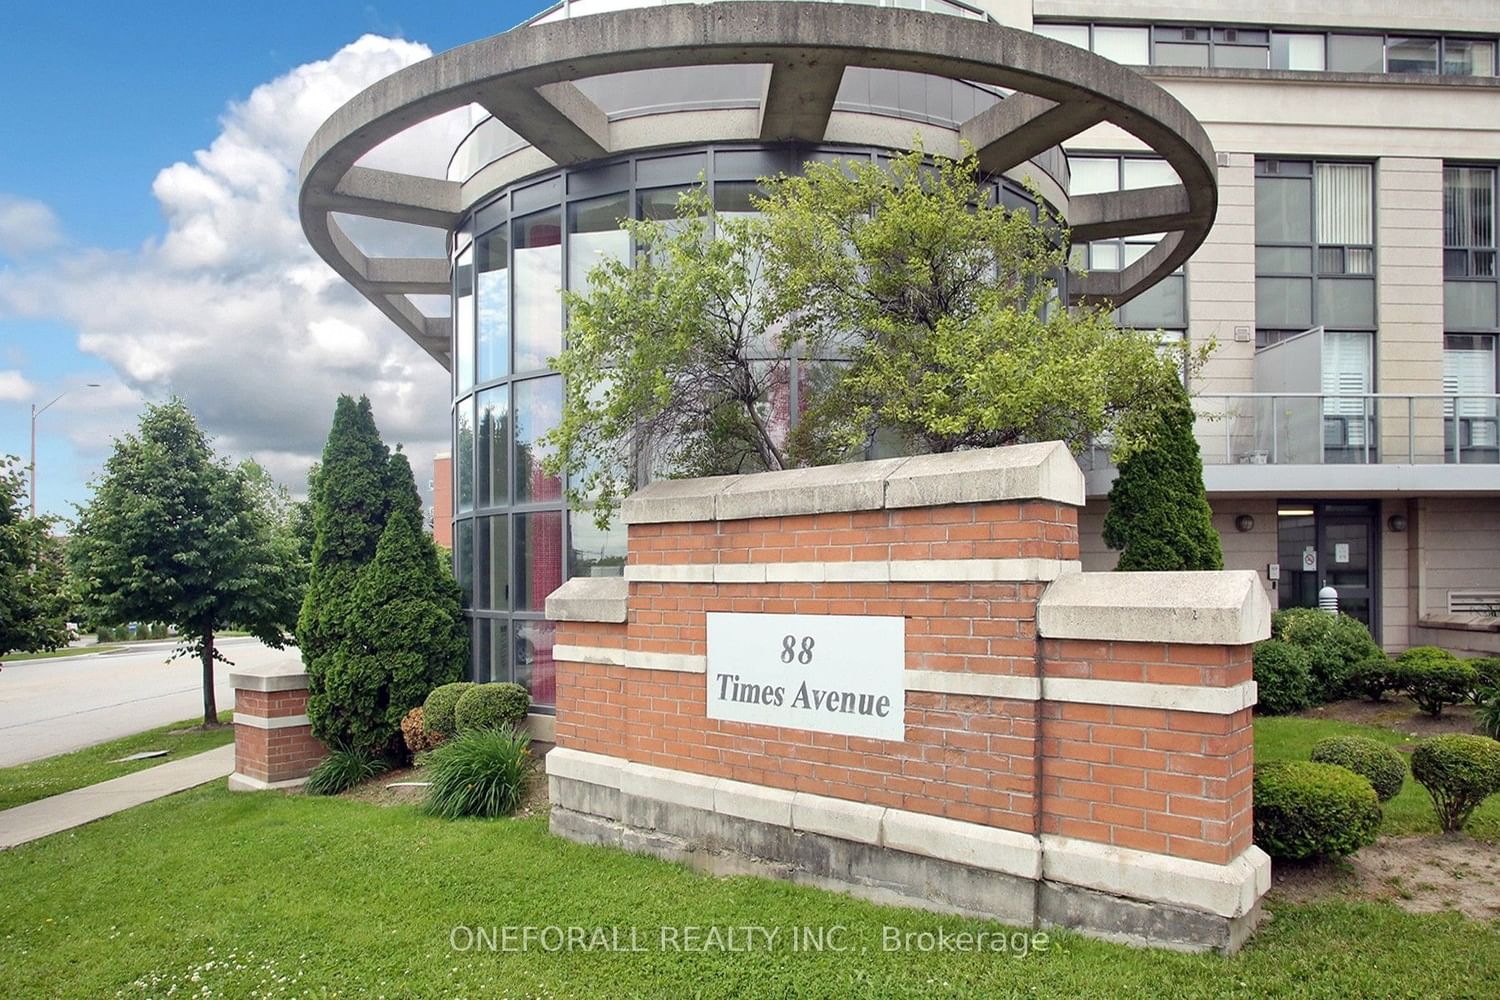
{"x": 269, "y": 677}
{"x": 589, "y": 599}
{"x": 1044, "y": 471}
{"x": 1225, "y": 608}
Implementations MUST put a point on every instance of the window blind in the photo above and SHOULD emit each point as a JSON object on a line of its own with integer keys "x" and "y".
{"x": 1343, "y": 194}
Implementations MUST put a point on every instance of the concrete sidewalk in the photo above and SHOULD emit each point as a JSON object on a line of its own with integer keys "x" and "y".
{"x": 84, "y": 805}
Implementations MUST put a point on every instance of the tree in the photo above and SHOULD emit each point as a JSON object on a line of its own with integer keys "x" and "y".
{"x": 404, "y": 635}
{"x": 922, "y": 311}
{"x": 1159, "y": 516}
{"x": 174, "y": 534}
{"x": 33, "y": 593}
{"x": 350, "y": 499}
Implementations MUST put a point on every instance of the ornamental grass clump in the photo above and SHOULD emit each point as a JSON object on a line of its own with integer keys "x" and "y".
{"x": 341, "y": 770}
{"x": 482, "y": 772}
{"x": 1459, "y": 772}
{"x": 1381, "y": 765}
{"x": 1306, "y": 810}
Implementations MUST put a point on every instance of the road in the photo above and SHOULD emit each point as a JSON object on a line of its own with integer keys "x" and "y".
{"x": 52, "y": 706}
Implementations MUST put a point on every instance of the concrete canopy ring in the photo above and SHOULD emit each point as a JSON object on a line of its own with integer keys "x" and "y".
{"x": 525, "y": 78}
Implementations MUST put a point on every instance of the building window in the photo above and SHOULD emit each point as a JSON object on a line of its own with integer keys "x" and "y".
{"x": 1468, "y": 222}
{"x": 1469, "y": 375}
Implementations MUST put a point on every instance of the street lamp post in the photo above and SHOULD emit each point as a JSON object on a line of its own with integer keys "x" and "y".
{"x": 35, "y": 412}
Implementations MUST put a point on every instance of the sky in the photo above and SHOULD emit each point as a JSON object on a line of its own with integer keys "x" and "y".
{"x": 148, "y": 233}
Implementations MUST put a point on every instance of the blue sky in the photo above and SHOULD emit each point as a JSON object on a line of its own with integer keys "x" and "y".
{"x": 102, "y": 253}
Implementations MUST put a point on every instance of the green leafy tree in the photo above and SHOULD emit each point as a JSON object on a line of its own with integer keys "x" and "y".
{"x": 404, "y": 635}
{"x": 1159, "y": 516}
{"x": 34, "y": 590}
{"x": 350, "y": 498}
{"x": 175, "y": 534}
{"x": 925, "y": 314}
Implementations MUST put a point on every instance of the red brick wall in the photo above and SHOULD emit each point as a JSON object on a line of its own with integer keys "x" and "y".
{"x": 273, "y": 755}
{"x": 1164, "y": 781}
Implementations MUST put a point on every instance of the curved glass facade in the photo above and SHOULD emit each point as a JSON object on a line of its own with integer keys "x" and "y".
{"x": 515, "y": 540}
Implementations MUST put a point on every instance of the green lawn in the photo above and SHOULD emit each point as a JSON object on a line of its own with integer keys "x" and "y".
{"x": 1292, "y": 738}
{"x": 276, "y": 895}
{"x": 53, "y": 775}
{"x": 103, "y": 647}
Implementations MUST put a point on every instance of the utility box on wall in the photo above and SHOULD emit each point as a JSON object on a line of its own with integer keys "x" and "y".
{"x": 892, "y": 678}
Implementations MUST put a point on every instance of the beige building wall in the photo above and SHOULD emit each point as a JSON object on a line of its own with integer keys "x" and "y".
{"x": 1453, "y": 15}
{"x": 1409, "y": 309}
{"x": 1460, "y": 539}
{"x": 1396, "y": 584}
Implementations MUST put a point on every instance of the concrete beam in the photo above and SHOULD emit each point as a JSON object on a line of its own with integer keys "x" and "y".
{"x": 1130, "y": 213}
{"x": 1021, "y": 126}
{"x": 409, "y": 275}
{"x": 398, "y": 197}
{"x": 799, "y": 98}
{"x": 556, "y": 118}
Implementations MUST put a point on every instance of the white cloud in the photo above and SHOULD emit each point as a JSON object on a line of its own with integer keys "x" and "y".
{"x": 14, "y": 388}
{"x": 26, "y": 227}
{"x": 231, "y": 309}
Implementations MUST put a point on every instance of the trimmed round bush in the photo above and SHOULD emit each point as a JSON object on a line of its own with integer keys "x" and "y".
{"x": 487, "y": 706}
{"x": 1335, "y": 643}
{"x": 1304, "y": 809}
{"x": 1372, "y": 678}
{"x": 1380, "y": 765}
{"x": 481, "y": 772}
{"x": 1283, "y": 675}
{"x": 1487, "y": 668}
{"x": 437, "y": 710}
{"x": 1459, "y": 772}
{"x": 341, "y": 770}
{"x": 1434, "y": 678}
{"x": 414, "y": 733}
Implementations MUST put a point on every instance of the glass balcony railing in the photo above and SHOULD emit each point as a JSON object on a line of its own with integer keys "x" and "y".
{"x": 1348, "y": 429}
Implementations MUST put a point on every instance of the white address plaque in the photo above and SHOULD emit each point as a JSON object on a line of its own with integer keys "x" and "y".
{"x": 829, "y": 673}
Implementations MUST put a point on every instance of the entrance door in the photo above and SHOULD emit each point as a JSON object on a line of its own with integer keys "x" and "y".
{"x": 1330, "y": 544}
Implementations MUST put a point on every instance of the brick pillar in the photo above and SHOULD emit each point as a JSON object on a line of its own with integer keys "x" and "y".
{"x": 273, "y": 742}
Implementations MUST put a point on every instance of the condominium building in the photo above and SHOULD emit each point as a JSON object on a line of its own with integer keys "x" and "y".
{"x": 1311, "y": 188}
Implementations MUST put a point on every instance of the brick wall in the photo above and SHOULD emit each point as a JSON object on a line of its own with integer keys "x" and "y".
{"x": 273, "y": 741}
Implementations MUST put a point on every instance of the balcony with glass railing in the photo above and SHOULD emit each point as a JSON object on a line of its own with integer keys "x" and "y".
{"x": 1348, "y": 429}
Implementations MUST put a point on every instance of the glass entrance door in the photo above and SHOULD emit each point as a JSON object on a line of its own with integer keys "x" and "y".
{"x": 1330, "y": 544}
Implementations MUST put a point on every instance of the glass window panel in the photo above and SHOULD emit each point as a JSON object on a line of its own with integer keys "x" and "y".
{"x": 733, "y": 197}
{"x": 538, "y": 264}
{"x": 538, "y": 410}
{"x": 595, "y": 236}
{"x": 479, "y": 648}
{"x": 1304, "y": 52}
{"x": 463, "y": 320}
{"x": 463, "y": 559}
{"x": 1469, "y": 305}
{"x": 492, "y": 581}
{"x": 594, "y": 551}
{"x": 1283, "y": 260}
{"x": 1283, "y": 302}
{"x": 495, "y": 663}
{"x": 1346, "y": 302}
{"x": 1072, "y": 34}
{"x": 1134, "y": 252}
{"x": 1344, "y": 202}
{"x": 1141, "y": 173}
{"x": 1411, "y": 55}
{"x": 1468, "y": 57}
{"x": 1455, "y": 263}
{"x": 494, "y": 305}
{"x": 1093, "y": 175}
{"x": 1104, "y": 256}
{"x": 1346, "y": 376}
{"x": 1330, "y": 260}
{"x": 1241, "y": 36}
{"x": 1356, "y": 53}
{"x": 1482, "y": 263}
{"x": 492, "y": 461}
{"x": 1128, "y": 46}
{"x": 1469, "y": 206}
{"x": 1359, "y": 260}
{"x": 535, "y": 669}
{"x": 1159, "y": 306}
{"x": 463, "y": 452}
{"x": 1242, "y": 56}
{"x": 1283, "y": 210}
{"x": 1181, "y": 54}
{"x": 539, "y": 558}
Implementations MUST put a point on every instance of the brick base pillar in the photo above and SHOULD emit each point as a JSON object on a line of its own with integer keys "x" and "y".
{"x": 273, "y": 742}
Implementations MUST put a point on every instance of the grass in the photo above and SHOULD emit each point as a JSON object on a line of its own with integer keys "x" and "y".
{"x": 53, "y": 775}
{"x": 1410, "y": 812}
{"x": 274, "y": 895}
{"x": 103, "y": 647}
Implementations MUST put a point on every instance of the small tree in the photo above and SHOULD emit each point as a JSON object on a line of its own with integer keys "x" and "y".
{"x": 174, "y": 534}
{"x": 1159, "y": 516}
{"x": 33, "y": 591}
{"x": 349, "y": 497}
{"x": 404, "y": 634}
